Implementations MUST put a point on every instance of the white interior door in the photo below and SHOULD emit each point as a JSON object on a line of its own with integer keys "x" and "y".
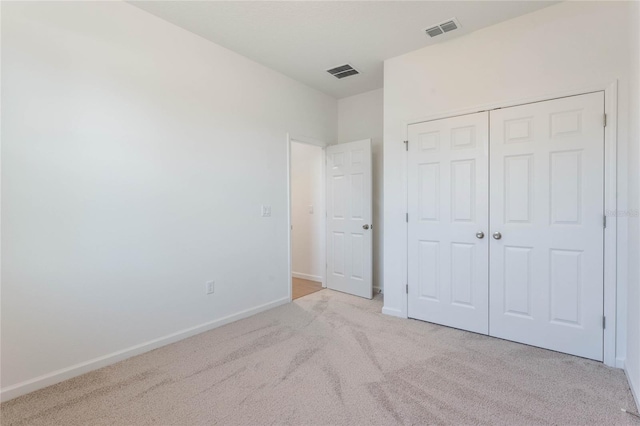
{"x": 547, "y": 191}
{"x": 349, "y": 218}
{"x": 448, "y": 207}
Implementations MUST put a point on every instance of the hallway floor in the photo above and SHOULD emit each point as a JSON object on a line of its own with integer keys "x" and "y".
{"x": 302, "y": 287}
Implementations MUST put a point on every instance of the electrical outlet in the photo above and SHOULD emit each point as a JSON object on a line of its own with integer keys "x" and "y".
{"x": 266, "y": 211}
{"x": 209, "y": 287}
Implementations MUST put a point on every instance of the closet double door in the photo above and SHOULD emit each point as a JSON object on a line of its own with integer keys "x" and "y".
{"x": 505, "y": 232}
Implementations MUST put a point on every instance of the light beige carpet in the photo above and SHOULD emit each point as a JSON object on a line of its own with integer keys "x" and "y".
{"x": 330, "y": 358}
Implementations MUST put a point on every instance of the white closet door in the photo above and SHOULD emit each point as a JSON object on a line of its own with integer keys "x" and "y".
{"x": 448, "y": 206}
{"x": 349, "y": 218}
{"x": 547, "y": 189}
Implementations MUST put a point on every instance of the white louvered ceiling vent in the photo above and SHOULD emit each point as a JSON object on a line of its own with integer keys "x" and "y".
{"x": 445, "y": 27}
{"x": 343, "y": 71}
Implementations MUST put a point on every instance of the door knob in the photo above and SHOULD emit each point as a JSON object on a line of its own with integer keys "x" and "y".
{"x": 479, "y": 235}
{"x": 365, "y": 227}
{"x": 497, "y": 235}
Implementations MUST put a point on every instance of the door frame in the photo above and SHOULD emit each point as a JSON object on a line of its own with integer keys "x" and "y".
{"x": 615, "y": 257}
{"x": 321, "y": 144}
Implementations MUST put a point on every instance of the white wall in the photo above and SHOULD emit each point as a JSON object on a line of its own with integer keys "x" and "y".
{"x": 307, "y": 212}
{"x": 135, "y": 158}
{"x": 564, "y": 47}
{"x": 360, "y": 117}
{"x": 633, "y": 336}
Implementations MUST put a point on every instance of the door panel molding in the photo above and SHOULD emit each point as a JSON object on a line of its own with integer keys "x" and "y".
{"x": 547, "y": 194}
{"x": 615, "y": 252}
{"x": 349, "y": 218}
{"x": 448, "y": 205}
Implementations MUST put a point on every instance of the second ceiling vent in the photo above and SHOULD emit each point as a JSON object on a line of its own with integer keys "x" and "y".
{"x": 343, "y": 71}
{"x": 445, "y": 27}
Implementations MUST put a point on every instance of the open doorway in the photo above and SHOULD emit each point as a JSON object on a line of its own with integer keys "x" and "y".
{"x": 308, "y": 262}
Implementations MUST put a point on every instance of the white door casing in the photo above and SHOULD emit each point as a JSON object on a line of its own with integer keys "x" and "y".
{"x": 349, "y": 218}
{"x": 447, "y": 207}
{"x": 547, "y": 202}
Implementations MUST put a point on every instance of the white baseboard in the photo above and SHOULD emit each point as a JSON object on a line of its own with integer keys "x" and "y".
{"x": 620, "y": 363}
{"x": 393, "y": 312}
{"x": 61, "y": 375}
{"x": 635, "y": 392}
{"x": 316, "y": 278}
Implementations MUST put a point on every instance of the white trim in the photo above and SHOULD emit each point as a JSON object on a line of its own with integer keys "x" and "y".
{"x": 615, "y": 257}
{"x": 635, "y": 392}
{"x": 63, "y": 374}
{"x": 324, "y": 205}
{"x": 289, "y": 254}
{"x": 305, "y": 139}
{"x": 316, "y": 278}
{"x": 611, "y": 231}
{"x": 514, "y": 102}
{"x": 620, "y": 362}
{"x": 323, "y": 145}
{"x": 393, "y": 312}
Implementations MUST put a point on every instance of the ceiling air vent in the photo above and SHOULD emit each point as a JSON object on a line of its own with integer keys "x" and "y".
{"x": 434, "y": 31}
{"x": 445, "y": 27}
{"x": 448, "y": 26}
{"x": 343, "y": 71}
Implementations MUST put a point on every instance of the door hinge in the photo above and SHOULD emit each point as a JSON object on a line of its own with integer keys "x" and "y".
{"x": 604, "y": 221}
{"x": 407, "y": 288}
{"x": 604, "y": 120}
{"x": 604, "y": 322}
{"x": 406, "y": 217}
{"x": 406, "y": 145}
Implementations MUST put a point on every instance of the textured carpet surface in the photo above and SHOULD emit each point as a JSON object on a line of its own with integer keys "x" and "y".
{"x": 330, "y": 358}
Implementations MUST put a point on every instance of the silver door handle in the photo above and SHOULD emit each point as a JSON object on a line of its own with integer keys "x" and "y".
{"x": 479, "y": 235}
{"x": 497, "y": 235}
{"x": 365, "y": 227}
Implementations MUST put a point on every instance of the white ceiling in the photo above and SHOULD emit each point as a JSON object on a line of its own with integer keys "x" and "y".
{"x": 303, "y": 39}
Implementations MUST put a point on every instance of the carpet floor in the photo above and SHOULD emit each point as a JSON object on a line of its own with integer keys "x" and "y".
{"x": 329, "y": 358}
